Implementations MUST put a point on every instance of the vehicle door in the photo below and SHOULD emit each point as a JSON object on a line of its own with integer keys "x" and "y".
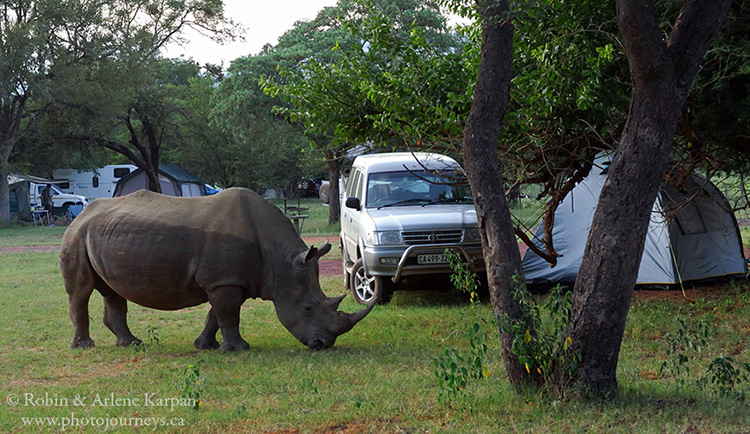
{"x": 351, "y": 217}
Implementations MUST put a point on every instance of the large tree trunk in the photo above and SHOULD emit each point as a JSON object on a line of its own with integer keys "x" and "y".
{"x": 5, "y": 149}
{"x": 491, "y": 96}
{"x": 334, "y": 174}
{"x": 152, "y": 176}
{"x": 662, "y": 72}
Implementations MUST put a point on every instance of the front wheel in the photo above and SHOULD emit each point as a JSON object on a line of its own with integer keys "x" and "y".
{"x": 366, "y": 288}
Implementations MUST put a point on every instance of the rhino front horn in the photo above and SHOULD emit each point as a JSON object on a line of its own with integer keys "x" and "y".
{"x": 349, "y": 320}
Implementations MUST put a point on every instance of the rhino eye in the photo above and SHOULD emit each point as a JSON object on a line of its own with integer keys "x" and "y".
{"x": 308, "y": 310}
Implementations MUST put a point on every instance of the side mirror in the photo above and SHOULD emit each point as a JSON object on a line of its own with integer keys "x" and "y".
{"x": 353, "y": 203}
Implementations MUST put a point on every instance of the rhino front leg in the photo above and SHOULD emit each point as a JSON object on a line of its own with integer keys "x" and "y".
{"x": 207, "y": 339}
{"x": 225, "y": 305}
{"x": 115, "y": 318}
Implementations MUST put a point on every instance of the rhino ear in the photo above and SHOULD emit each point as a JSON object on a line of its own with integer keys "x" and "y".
{"x": 313, "y": 253}
{"x": 325, "y": 248}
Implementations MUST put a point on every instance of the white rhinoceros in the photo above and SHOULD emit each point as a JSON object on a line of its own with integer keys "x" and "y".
{"x": 169, "y": 253}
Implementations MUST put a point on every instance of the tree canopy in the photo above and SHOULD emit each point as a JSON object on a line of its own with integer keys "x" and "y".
{"x": 67, "y": 53}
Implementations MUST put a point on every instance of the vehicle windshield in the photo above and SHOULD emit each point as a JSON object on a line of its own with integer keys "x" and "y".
{"x": 417, "y": 187}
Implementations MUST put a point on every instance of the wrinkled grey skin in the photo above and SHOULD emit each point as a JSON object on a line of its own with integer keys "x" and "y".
{"x": 169, "y": 253}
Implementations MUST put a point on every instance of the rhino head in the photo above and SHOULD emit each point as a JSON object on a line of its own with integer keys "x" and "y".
{"x": 308, "y": 314}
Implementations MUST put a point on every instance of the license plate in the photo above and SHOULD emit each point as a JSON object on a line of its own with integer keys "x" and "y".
{"x": 432, "y": 259}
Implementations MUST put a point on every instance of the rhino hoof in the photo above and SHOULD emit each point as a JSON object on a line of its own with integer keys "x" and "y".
{"x": 206, "y": 344}
{"x": 128, "y": 342}
{"x": 82, "y": 343}
{"x": 235, "y": 346}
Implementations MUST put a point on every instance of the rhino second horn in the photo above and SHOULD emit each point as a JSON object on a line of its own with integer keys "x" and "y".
{"x": 334, "y": 302}
{"x": 349, "y": 320}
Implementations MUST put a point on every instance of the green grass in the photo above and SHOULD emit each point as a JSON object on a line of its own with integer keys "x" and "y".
{"x": 27, "y": 235}
{"x": 317, "y": 222}
{"x": 378, "y": 378}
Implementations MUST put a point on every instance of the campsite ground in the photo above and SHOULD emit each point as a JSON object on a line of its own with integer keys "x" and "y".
{"x": 380, "y": 377}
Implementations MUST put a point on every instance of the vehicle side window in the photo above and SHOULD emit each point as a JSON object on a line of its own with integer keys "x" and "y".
{"x": 358, "y": 186}
{"x": 121, "y": 171}
{"x": 355, "y": 181}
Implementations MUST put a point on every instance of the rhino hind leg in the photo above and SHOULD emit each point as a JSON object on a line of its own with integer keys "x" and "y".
{"x": 115, "y": 318}
{"x": 79, "y": 316}
{"x": 79, "y": 286}
{"x": 225, "y": 305}
{"x": 207, "y": 339}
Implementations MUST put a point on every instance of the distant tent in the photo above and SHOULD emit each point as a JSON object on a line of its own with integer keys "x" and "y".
{"x": 20, "y": 207}
{"x": 699, "y": 240}
{"x": 174, "y": 181}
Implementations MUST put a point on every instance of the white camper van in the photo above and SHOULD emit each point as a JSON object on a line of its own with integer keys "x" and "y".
{"x": 60, "y": 200}
{"x": 96, "y": 183}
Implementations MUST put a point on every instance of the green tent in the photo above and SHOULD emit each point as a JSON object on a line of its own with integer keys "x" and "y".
{"x": 20, "y": 207}
{"x": 174, "y": 181}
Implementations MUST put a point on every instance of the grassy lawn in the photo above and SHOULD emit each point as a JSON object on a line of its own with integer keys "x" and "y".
{"x": 27, "y": 235}
{"x": 378, "y": 378}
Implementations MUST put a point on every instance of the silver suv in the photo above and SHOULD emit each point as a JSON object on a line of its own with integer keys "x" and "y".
{"x": 402, "y": 211}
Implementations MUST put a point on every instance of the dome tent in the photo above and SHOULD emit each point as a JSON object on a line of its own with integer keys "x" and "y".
{"x": 692, "y": 235}
{"x": 174, "y": 181}
{"x": 20, "y": 206}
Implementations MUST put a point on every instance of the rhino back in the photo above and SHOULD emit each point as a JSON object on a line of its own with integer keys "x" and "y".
{"x": 165, "y": 252}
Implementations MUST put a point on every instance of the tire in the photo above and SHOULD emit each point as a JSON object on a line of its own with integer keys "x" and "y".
{"x": 324, "y": 193}
{"x": 366, "y": 288}
{"x": 347, "y": 276}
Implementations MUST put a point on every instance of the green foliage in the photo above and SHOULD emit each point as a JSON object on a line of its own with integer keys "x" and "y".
{"x": 726, "y": 377}
{"x": 453, "y": 370}
{"x": 548, "y": 352}
{"x": 373, "y": 90}
{"x": 683, "y": 346}
{"x": 192, "y": 385}
{"x": 452, "y": 374}
{"x": 462, "y": 277}
{"x": 152, "y": 335}
{"x": 99, "y": 68}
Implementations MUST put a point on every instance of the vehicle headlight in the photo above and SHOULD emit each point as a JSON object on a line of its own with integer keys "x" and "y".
{"x": 472, "y": 235}
{"x": 386, "y": 238}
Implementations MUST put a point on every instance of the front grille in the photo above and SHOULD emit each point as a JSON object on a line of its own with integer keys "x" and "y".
{"x": 415, "y": 238}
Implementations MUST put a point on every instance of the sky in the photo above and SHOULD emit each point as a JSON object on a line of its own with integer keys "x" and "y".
{"x": 264, "y": 22}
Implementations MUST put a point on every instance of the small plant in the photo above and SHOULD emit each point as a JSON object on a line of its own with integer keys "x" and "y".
{"x": 152, "y": 339}
{"x": 682, "y": 346}
{"x": 138, "y": 347}
{"x": 192, "y": 385}
{"x": 727, "y": 377}
{"x": 463, "y": 278}
{"x": 152, "y": 334}
{"x": 452, "y": 374}
{"x": 452, "y": 370}
{"x": 547, "y": 351}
